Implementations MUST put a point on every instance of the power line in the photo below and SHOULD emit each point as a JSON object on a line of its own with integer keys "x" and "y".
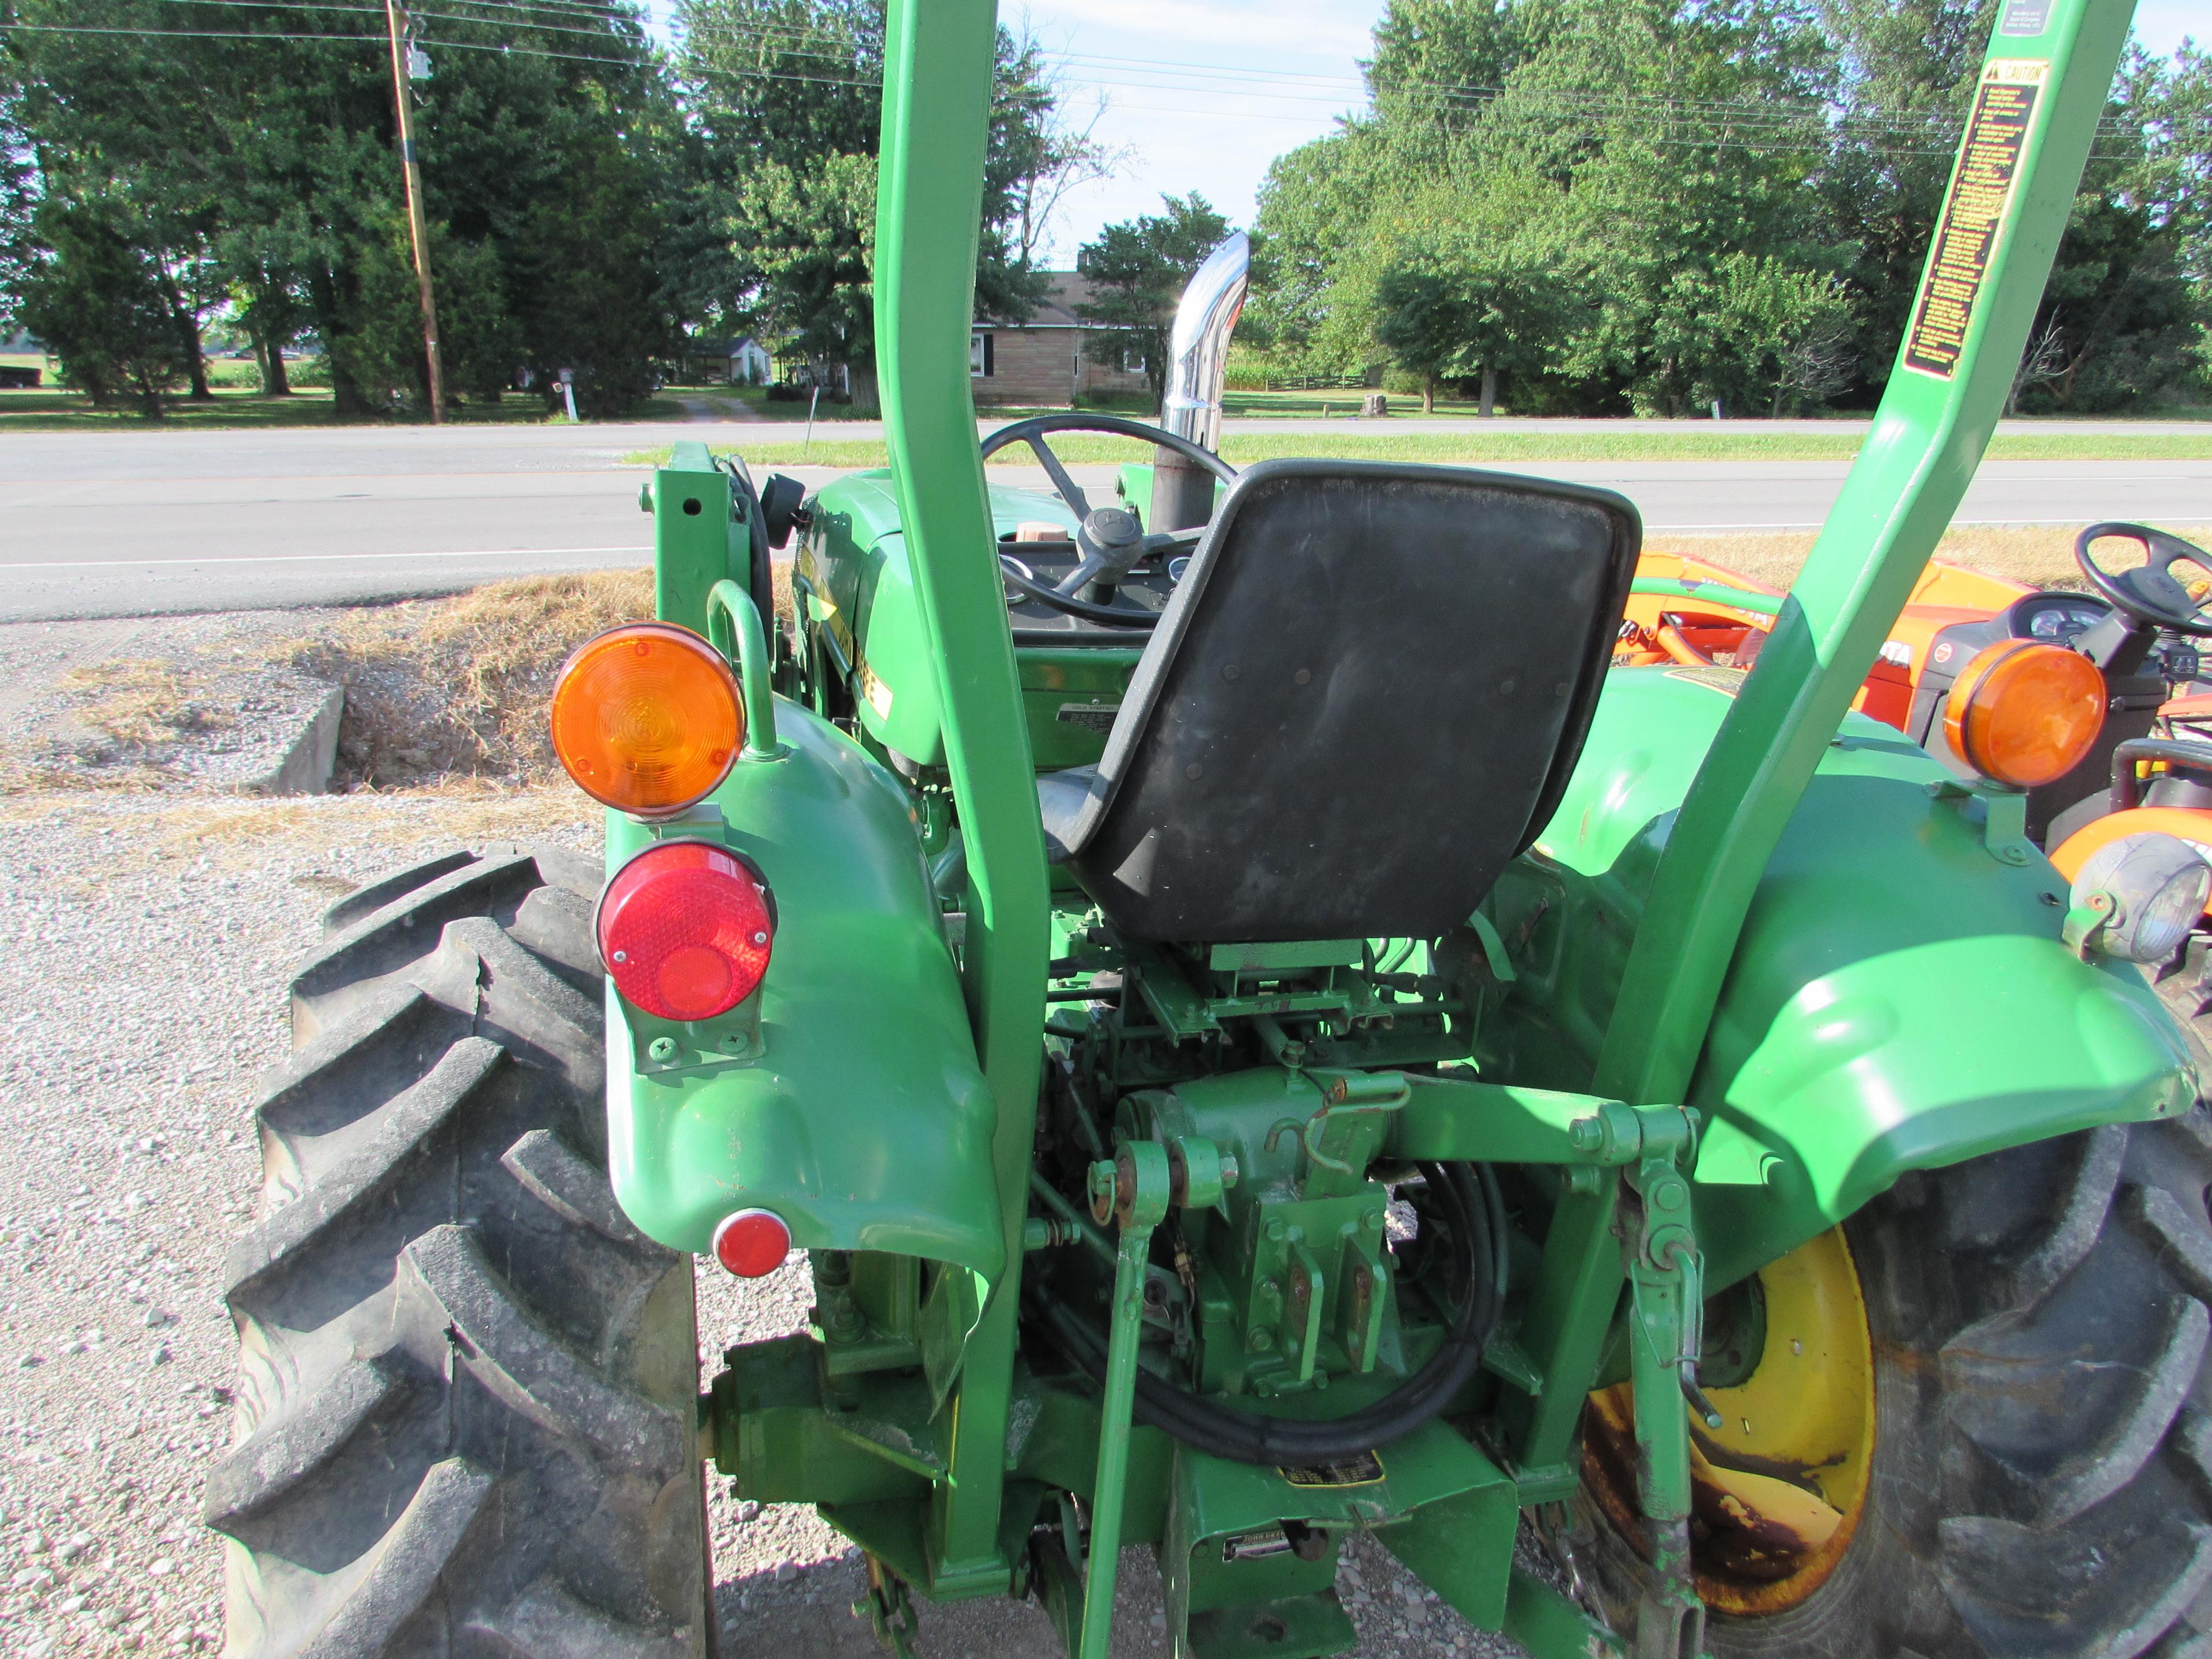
{"x": 1814, "y": 125}
{"x": 1734, "y": 125}
{"x": 183, "y": 34}
{"x": 1561, "y": 111}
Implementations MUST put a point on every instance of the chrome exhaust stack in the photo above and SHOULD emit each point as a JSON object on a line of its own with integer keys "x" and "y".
{"x": 1198, "y": 364}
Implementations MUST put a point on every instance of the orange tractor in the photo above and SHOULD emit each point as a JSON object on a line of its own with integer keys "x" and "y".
{"x": 2122, "y": 742}
{"x": 2137, "y": 626}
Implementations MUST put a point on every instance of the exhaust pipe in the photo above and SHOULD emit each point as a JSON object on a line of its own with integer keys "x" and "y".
{"x": 1197, "y": 364}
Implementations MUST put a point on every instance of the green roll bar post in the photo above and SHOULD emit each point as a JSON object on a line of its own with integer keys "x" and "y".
{"x": 1927, "y": 439}
{"x": 936, "y": 110}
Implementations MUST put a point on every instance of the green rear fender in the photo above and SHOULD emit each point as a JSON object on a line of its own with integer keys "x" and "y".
{"x": 1900, "y": 997}
{"x": 865, "y": 1121}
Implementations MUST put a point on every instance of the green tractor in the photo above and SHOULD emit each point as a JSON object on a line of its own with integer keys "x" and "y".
{"x": 1260, "y": 1037}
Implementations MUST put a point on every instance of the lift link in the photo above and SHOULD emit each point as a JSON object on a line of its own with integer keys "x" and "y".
{"x": 1666, "y": 1281}
{"x": 1133, "y": 1188}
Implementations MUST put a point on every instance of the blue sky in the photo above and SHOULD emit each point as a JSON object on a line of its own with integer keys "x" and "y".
{"x": 1201, "y": 95}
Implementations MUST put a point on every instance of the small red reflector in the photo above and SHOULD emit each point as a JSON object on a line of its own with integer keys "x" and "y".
{"x": 752, "y": 1242}
{"x": 684, "y": 930}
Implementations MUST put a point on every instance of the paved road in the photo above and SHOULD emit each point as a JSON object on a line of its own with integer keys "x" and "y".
{"x": 133, "y": 523}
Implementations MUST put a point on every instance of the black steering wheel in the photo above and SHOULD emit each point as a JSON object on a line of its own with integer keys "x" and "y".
{"x": 2149, "y": 592}
{"x": 1111, "y": 538}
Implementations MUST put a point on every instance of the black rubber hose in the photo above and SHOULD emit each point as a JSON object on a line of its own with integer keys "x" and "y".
{"x": 1478, "y": 1229}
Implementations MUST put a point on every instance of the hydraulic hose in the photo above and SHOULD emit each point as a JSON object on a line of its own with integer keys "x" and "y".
{"x": 1478, "y": 1218}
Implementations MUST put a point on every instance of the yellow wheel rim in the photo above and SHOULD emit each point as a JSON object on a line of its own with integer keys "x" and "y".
{"x": 1776, "y": 1491}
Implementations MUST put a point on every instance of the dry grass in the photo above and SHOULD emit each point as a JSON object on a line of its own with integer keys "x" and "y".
{"x": 2041, "y": 555}
{"x": 447, "y": 691}
{"x": 141, "y": 703}
{"x": 441, "y": 688}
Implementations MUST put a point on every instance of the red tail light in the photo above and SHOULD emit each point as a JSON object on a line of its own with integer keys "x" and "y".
{"x": 685, "y": 930}
{"x": 752, "y": 1242}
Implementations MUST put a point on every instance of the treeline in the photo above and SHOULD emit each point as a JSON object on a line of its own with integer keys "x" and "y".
{"x": 591, "y": 199}
{"x": 1570, "y": 206}
{"x": 1609, "y": 207}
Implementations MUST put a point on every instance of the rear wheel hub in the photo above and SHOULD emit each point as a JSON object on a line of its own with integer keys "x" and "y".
{"x": 1776, "y": 1490}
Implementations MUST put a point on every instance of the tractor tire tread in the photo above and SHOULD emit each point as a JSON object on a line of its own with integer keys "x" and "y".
{"x": 2063, "y": 1380}
{"x": 2042, "y": 1326}
{"x": 464, "y": 1421}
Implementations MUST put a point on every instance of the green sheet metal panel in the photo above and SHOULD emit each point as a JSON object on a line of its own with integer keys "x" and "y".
{"x": 1900, "y": 997}
{"x": 866, "y": 1122}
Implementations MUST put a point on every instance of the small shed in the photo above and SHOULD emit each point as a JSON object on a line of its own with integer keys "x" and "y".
{"x": 742, "y": 361}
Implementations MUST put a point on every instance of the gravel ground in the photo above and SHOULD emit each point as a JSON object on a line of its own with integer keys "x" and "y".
{"x": 150, "y": 939}
{"x": 198, "y": 702}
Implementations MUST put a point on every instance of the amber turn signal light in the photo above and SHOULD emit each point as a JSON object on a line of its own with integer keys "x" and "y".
{"x": 647, "y": 718}
{"x": 2024, "y": 712}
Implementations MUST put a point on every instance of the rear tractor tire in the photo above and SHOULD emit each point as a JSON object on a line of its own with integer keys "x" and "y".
{"x": 2010, "y": 1455}
{"x": 466, "y": 1415}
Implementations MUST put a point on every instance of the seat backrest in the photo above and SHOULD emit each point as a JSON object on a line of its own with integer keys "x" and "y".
{"x": 1365, "y": 698}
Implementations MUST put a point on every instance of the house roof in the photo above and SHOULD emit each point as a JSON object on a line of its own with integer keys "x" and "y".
{"x": 1063, "y": 291}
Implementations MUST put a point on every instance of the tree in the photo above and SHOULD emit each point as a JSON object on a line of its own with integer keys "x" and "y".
{"x": 1904, "y": 71}
{"x": 101, "y": 304}
{"x": 1137, "y": 270}
{"x": 264, "y": 173}
{"x": 2121, "y": 317}
{"x": 1469, "y": 294}
{"x": 1313, "y": 205}
{"x": 18, "y": 198}
{"x": 1037, "y": 156}
{"x": 786, "y": 95}
{"x": 1442, "y": 60}
{"x": 1424, "y": 323}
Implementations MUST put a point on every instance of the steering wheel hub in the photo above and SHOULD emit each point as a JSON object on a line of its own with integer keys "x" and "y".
{"x": 1108, "y": 530}
{"x": 1111, "y": 539}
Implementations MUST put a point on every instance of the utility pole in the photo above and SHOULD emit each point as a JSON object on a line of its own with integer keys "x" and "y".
{"x": 410, "y": 165}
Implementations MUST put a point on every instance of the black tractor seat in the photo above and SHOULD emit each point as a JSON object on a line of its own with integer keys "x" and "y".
{"x": 1364, "y": 699}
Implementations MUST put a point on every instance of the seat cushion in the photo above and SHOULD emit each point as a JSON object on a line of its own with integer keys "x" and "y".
{"x": 1363, "y": 700}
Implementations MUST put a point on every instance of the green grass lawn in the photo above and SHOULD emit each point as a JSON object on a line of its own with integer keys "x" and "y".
{"x": 61, "y": 411}
{"x": 238, "y": 402}
{"x": 1691, "y": 444}
{"x": 1304, "y": 405}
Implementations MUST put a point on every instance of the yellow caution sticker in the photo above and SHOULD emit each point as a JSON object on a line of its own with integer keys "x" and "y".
{"x": 1974, "y": 213}
{"x": 877, "y": 693}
